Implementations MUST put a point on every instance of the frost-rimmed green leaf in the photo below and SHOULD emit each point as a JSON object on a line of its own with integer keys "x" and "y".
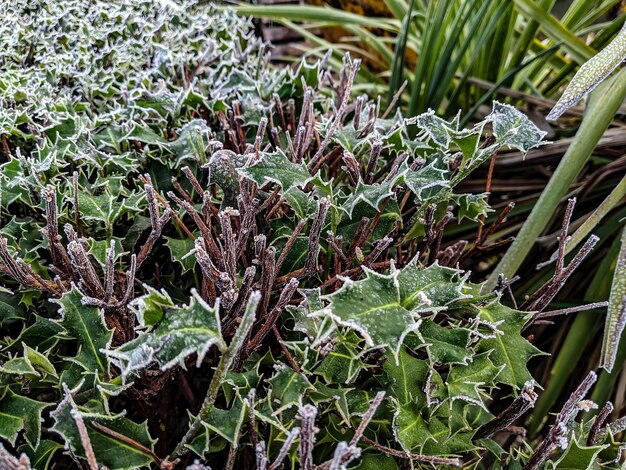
{"x": 275, "y": 167}
{"x": 86, "y": 324}
{"x": 287, "y": 388}
{"x": 182, "y": 332}
{"x": 108, "y": 448}
{"x": 509, "y": 349}
{"x": 21, "y": 413}
{"x": 373, "y": 308}
{"x": 514, "y": 128}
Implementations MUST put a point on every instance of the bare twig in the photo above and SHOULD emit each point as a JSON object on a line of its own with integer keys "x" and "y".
{"x": 82, "y": 430}
{"x": 601, "y": 418}
{"x": 338, "y": 115}
{"x": 308, "y": 413}
{"x": 290, "y": 439}
{"x": 556, "y": 436}
{"x": 520, "y": 405}
{"x": 8, "y": 462}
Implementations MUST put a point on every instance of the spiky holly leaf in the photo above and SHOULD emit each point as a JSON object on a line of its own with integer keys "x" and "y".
{"x": 186, "y": 330}
{"x": 372, "y": 194}
{"x": 384, "y": 308}
{"x": 41, "y": 334}
{"x": 287, "y": 388}
{"x": 314, "y": 327}
{"x": 407, "y": 378}
{"x": 41, "y": 458}
{"x": 344, "y": 363}
{"x": 17, "y": 413}
{"x": 514, "y": 128}
{"x": 277, "y": 168}
{"x": 104, "y": 431}
{"x": 509, "y": 349}
{"x": 467, "y": 382}
{"x": 438, "y": 129}
{"x": 578, "y": 457}
{"x": 107, "y": 207}
{"x": 427, "y": 182}
{"x": 301, "y": 203}
{"x": 444, "y": 345}
{"x": 32, "y": 363}
{"x": 85, "y": 323}
{"x": 373, "y": 308}
{"x": 151, "y": 306}
{"x": 434, "y": 286}
{"x": 472, "y": 206}
{"x": 227, "y": 423}
{"x": 376, "y": 462}
{"x": 179, "y": 249}
{"x": 419, "y": 432}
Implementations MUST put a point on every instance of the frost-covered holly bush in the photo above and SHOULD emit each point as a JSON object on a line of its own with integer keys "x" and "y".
{"x": 205, "y": 257}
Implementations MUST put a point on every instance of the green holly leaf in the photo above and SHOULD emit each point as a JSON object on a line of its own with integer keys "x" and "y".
{"x": 434, "y": 287}
{"x": 466, "y": 382}
{"x": 287, "y": 388}
{"x": 376, "y": 462}
{"x": 407, "y": 378}
{"x": 21, "y": 413}
{"x": 418, "y": 432}
{"x": 187, "y": 330}
{"x": 445, "y": 345}
{"x": 85, "y": 323}
{"x": 514, "y": 129}
{"x": 509, "y": 349}
{"x": 10, "y": 308}
{"x": 578, "y": 457}
{"x": 19, "y": 366}
{"x": 472, "y": 206}
{"x": 42, "y": 457}
{"x": 151, "y": 306}
{"x": 384, "y": 308}
{"x": 275, "y": 167}
{"x": 373, "y": 308}
{"x": 42, "y": 334}
{"x": 344, "y": 363}
{"x": 180, "y": 249}
{"x": 32, "y": 363}
{"x": 227, "y": 423}
{"x": 371, "y": 194}
{"x": 438, "y": 129}
{"x": 429, "y": 181}
{"x": 193, "y": 139}
{"x": 301, "y": 203}
{"x": 314, "y": 327}
{"x": 104, "y": 431}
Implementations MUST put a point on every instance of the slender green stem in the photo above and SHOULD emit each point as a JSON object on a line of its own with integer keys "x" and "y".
{"x": 612, "y": 200}
{"x": 615, "y": 316}
{"x": 222, "y": 369}
{"x": 600, "y": 113}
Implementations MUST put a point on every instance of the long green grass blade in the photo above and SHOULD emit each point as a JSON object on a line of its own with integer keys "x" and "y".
{"x": 555, "y": 30}
{"x": 616, "y": 315}
{"x": 502, "y": 82}
{"x": 591, "y": 74}
{"x": 399, "y": 57}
